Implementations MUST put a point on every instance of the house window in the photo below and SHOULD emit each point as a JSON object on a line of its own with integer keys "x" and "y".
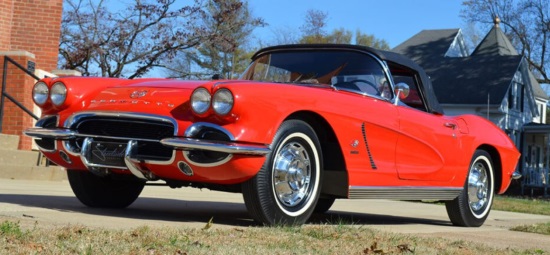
{"x": 515, "y": 95}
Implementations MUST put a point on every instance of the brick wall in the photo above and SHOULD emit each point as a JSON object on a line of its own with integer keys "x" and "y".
{"x": 36, "y": 28}
{"x": 19, "y": 86}
{"x": 29, "y": 31}
{"x": 6, "y": 15}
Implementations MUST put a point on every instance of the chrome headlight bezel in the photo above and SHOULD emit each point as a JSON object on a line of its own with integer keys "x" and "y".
{"x": 58, "y": 93}
{"x": 222, "y": 102}
{"x": 200, "y": 100}
{"x": 40, "y": 93}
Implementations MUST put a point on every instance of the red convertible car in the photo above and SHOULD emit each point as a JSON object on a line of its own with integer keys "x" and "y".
{"x": 304, "y": 125}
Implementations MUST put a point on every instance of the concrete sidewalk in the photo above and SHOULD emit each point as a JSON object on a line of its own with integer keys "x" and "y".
{"x": 50, "y": 203}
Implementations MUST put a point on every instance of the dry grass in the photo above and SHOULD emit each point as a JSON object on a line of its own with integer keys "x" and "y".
{"x": 542, "y": 228}
{"x": 310, "y": 239}
{"x": 522, "y": 204}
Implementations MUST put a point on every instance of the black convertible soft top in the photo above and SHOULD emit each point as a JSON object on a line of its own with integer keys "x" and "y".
{"x": 432, "y": 104}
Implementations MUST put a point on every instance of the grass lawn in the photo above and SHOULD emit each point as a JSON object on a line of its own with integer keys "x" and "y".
{"x": 525, "y": 205}
{"x": 308, "y": 239}
{"x": 522, "y": 205}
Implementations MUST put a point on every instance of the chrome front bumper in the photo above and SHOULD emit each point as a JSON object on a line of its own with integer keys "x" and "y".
{"x": 131, "y": 162}
{"x": 218, "y": 146}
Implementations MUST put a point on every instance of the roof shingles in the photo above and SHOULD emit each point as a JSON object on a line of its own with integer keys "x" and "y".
{"x": 485, "y": 75}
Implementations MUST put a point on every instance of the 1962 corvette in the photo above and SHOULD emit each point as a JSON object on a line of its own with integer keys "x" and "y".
{"x": 304, "y": 125}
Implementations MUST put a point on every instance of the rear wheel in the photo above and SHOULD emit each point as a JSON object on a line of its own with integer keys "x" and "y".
{"x": 286, "y": 189}
{"x": 471, "y": 208}
{"x": 104, "y": 192}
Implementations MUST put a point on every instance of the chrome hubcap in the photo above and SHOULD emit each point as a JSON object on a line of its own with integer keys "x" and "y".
{"x": 478, "y": 187}
{"x": 292, "y": 174}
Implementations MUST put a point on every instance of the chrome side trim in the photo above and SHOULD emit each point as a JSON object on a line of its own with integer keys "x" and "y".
{"x": 219, "y": 146}
{"x": 196, "y": 128}
{"x": 404, "y": 193}
{"x": 132, "y": 163}
{"x": 371, "y": 159}
{"x": 75, "y": 118}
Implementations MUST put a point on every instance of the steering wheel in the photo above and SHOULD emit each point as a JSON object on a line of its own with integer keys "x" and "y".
{"x": 353, "y": 85}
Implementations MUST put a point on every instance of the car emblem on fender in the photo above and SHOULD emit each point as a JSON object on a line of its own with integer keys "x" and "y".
{"x": 138, "y": 93}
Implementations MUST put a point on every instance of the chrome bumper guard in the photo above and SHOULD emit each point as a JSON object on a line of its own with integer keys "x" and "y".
{"x": 217, "y": 146}
{"x": 130, "y": 159}
{"x": 133, "y": 163}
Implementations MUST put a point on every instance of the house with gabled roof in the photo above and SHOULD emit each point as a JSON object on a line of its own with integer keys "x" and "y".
{"x": 493, "y": 81}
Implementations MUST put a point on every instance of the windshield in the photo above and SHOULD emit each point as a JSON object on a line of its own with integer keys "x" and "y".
{"x": 349, "y": 70}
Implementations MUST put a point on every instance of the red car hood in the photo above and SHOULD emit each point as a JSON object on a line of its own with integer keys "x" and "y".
{"x": 164, "y": 83}
{"x": 147, "y": 96}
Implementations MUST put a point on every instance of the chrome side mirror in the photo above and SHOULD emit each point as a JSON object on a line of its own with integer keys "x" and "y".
{"x": 401, "y": 91}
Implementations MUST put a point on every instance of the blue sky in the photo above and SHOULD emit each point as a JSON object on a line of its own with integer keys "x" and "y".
{"x": 391, "y": 20}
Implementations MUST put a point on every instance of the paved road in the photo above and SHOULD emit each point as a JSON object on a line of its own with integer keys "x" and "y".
{"x": 53, "y": 204}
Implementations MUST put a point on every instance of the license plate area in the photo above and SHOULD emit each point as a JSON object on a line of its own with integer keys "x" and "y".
{"x": 102, "y": 153}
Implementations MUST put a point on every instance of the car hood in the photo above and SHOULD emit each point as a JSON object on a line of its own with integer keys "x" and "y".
{"x": 163, "y": 83}
{"x": 147, "y": 96}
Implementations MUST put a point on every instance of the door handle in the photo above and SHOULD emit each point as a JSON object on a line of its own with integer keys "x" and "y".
{"x": 450, "y": 125}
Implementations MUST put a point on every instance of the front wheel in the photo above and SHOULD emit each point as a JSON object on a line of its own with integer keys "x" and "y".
{"x": 471, "y": 208}
{"x": 103, "y": 192}
{"x": 287, "y": 187}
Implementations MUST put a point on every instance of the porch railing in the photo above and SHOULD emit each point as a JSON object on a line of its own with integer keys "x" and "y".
{"x": 7, "y": 95}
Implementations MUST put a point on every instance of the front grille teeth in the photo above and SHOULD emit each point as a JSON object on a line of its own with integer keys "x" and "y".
{"x": 148, "y": 132}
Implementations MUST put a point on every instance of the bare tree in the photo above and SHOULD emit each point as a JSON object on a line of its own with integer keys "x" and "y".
{"x": 525, "y": 22}
{"x": 228, "y": 55}
{"x": 315, "y": 23}
{"x": 314, "y": 28}
{"x": 99, "y": 39}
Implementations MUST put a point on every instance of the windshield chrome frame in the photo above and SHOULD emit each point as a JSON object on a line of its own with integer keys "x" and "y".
{"x": 381, "y": 62}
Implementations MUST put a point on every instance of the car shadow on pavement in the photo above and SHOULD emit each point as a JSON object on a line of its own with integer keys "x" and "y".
{"x": 354, "y": 218}
{"x": 177, "y": 210}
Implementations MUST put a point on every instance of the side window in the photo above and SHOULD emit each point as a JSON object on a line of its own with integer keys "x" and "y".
{"x": 364, "y": 75}
{"x": 409, "y": 77}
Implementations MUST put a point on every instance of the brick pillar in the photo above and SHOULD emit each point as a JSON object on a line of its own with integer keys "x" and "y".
{"x": 6, "y": 17}
{"x": 36, "y": 28}
{"x": 19, "y": 86}
{"x": 29, "y": 31}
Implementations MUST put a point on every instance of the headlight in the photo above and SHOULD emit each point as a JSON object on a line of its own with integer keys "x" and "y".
{"x": 200, "y": 100}
{"x": 40, "y": 93}
{"x": 58, "y": 93}
{"x": 222, "y": 101}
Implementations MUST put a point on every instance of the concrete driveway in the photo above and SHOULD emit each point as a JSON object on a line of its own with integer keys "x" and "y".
{"x": 51, "y": 203}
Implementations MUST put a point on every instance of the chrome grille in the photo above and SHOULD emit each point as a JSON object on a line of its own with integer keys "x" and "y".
{"x": 146, "y": 131}
{"x": 129, "y": 128}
